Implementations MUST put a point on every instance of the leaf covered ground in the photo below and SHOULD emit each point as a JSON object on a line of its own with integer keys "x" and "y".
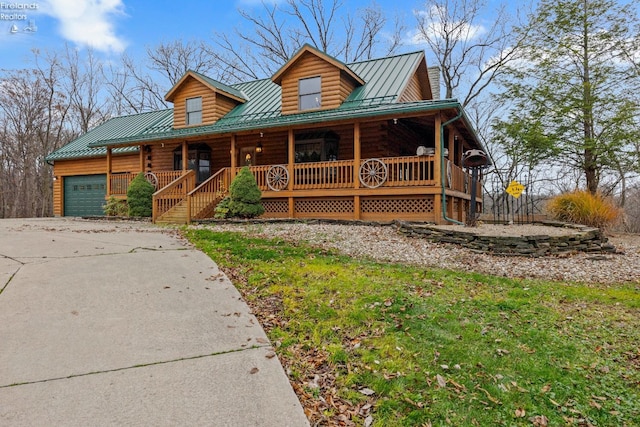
{"x": 377, "y": 344}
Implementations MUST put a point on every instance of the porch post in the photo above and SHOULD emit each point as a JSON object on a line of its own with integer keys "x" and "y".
{"x": 232, "y": 152}
{"x": 142, "y": 158}
{"x": 356, "y": 169}
{"x": 185, "y": 156}
{"x": 437, "y": 167}
{"x": 451, "y": 157}
{"x": 109, "y": 171}
{"x": 291, "y": 142}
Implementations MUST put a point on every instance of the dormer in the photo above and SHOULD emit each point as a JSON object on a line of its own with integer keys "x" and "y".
{"x": 312, "y": 80}
{"x": 419, "y": 87}
{"x": 199, "y": 100}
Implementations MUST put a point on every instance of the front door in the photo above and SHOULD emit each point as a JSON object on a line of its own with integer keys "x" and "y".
{"x": 199, "y": 161}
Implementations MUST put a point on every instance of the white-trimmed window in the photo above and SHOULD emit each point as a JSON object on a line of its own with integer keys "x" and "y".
{"x": 309, "y": 93}
{"x": 194, "y": 111}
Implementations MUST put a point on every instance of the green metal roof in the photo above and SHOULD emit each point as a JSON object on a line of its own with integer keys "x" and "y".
{"x": 385, "y": 78}
{"x": 118, "y": 127}
{"x": 219, "y": 85}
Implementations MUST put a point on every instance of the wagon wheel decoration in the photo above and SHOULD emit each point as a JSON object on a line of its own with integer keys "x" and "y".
{"x": 152, "y": 179}
{"x": 373, "y": 173}
{"x": 277, "y": 177}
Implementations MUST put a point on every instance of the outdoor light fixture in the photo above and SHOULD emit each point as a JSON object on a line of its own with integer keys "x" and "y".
{"x": 259, "y": 148}
{"x": 261, "y": 134}
{"x": 395, "y": 121}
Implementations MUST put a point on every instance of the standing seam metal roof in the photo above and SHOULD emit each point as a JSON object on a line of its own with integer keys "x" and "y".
{"x": 385, "y": 78}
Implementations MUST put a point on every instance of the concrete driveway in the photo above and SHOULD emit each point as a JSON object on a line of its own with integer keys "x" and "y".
{"x": 122, "y": 323}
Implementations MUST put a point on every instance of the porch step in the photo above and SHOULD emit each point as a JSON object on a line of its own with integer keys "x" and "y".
{"x": 176, "y": 215}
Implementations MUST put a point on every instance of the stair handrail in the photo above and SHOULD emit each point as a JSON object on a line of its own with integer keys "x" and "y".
{"x": 214, "y": 189}
{"x": 173, "y": 193}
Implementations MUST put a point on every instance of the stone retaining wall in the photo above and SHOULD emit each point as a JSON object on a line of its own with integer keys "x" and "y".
{"x": 577, "y": 239}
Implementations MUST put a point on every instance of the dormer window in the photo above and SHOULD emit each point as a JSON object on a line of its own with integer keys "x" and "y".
{"x": 309, "y": 93}
{"x": 194, "y": 111}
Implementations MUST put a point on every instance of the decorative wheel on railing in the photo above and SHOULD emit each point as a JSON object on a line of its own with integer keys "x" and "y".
{"x": 277, "y": 177}
{"x": 152, "y": 179}
{"x": 373, "y": 173}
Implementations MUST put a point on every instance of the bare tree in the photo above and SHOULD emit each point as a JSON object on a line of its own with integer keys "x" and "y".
{"x": 82, "y": 79}
{"x": 32, "y": 116}
{"x": 141, "y": 86}
{"x": 469, "y": 54}
{"x": 274, "y": 36}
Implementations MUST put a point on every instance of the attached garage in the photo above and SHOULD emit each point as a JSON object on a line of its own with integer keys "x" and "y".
{"x": 84, "y": 195}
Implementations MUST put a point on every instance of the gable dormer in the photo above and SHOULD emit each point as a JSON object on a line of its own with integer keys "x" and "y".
{"x": 312, "y": 80}
{"x": 199, "y": 100}
{"x": 419, "y": 87}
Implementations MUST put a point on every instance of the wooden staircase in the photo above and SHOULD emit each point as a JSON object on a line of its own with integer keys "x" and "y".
{"x": 198, "y": 203}
{"x": 176, "y": 215}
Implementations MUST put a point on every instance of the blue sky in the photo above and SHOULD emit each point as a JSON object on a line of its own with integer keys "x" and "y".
{"x": 112, "y": 27}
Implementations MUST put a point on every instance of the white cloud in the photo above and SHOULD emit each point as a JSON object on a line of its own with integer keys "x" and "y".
{"x": 88, "y": 22}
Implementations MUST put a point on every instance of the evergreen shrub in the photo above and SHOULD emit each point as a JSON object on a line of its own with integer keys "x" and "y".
{"x": 244, "y": 196}
{"x": 140, "y": 197}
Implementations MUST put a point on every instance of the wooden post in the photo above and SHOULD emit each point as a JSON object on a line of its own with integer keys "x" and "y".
{"x": 185, "y": 156}
{"x": 437, "y": 171}
{"x": 291, "y": 143}
{"x": 356, "y": 169}
{"x": 232, "y": 152}
{"x": 451, "y": 156}
{"x": 109, "y": 171}
{"x": 142, "y": 158}
{"x": 356, "y": 155}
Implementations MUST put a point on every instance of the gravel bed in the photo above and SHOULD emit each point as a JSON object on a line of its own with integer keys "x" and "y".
{"x": 385, "y": 243}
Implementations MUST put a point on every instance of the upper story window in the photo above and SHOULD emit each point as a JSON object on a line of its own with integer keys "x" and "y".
{"x": 309, "y": 93}
{"x": 194, "y": 111}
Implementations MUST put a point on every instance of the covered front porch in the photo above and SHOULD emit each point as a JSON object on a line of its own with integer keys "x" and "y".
{"x": 329, "y": 172}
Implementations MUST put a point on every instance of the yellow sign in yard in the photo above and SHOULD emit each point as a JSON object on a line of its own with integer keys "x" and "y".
{"x": 515, "y": 189}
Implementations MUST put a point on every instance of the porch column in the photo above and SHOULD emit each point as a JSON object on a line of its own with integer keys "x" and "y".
{"x": 356, "y": 169}
{"x": 451, "y": 156}
{"x": 109, "y": 171}
{"x": 437, "y": 171}
{"x": 142, "y": 158}
{"x": 232, "y": 151}
{"x": 185, "y": 156}
{"x": 291, "y": 143}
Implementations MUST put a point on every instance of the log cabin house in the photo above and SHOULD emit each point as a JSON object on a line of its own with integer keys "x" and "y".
{"x": 369, "y": 140}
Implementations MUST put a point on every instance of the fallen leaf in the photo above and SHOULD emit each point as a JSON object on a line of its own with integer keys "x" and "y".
{"x": 270, "y": 355}
{"x": 367, "y": 391}
{"x": 368, "y": 421}
{"x": 539, "y": 421}
{"x": 441, "y": 381}
{"x": 520, "y": 413}
{"x": 254, "y": 370}
{"x": 545, "y": 388}
{"x": 595, "y": 404}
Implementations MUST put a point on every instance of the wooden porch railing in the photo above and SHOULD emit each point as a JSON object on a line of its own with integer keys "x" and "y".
{"x": 204, "y": 197}
{"x": 410, "y": 171}
{"x": 173, "y": 193}
{"x": 120, "y": 181}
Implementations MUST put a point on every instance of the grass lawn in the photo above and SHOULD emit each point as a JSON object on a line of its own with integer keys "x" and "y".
{"x": 369, "y": 343}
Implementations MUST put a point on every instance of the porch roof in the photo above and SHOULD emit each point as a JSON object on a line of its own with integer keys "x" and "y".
{"x": 273, "y": 119}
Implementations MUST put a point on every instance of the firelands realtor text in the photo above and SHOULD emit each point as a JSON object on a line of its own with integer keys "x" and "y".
{"x": 15, "y": 11}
